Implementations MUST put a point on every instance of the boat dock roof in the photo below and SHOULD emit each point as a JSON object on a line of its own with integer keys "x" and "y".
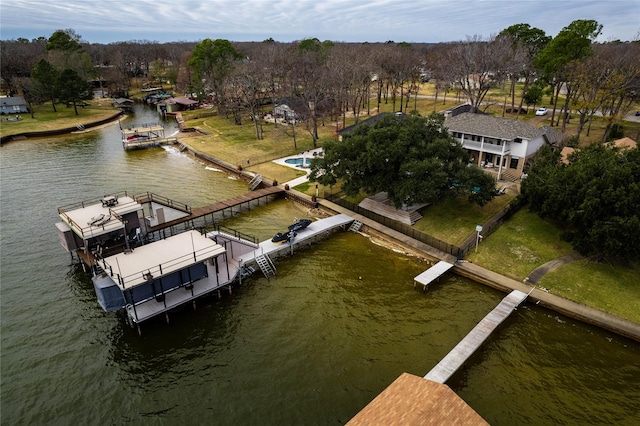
{"x": 162, "y": 257}
{"x": 80, "y": 216}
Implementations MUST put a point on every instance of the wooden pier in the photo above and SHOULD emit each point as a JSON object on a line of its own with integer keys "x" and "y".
{"x": 463, "y": 350}
{"x": 219, "y": 207}
{"x": 432, "y": 274}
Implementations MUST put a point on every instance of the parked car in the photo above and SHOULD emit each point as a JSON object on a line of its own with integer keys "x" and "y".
{"x": 541, "y": 111}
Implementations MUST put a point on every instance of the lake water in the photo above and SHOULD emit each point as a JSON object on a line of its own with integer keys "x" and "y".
{"x": 312, "y": 346}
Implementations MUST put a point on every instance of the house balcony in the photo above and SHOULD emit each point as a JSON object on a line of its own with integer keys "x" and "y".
{"x": 486, "y": 147}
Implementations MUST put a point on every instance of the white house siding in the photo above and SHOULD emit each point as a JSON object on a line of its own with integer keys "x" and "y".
{"x": 535, "y": 145}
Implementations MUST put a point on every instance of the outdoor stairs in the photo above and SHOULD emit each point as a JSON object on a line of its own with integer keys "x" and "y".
{"x": 414, "y": 216}
{"x": 255, "y": 182}
{"x": 355, "y": 226}
{"x": 510, "y": 175}
{"x": 266, "y": 265}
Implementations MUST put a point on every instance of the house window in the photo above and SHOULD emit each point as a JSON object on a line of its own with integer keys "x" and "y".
{"x": 514, "y": 163}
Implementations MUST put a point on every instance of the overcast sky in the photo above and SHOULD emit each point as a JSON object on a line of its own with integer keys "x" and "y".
{"x": 107, "y": 21}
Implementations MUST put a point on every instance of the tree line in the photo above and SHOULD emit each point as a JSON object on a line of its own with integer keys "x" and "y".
{"x": 330, "y": 79}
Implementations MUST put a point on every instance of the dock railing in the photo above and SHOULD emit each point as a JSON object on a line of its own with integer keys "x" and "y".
{"x": 151, "y": 197}
{"x": 82, "y": 204}
{"x": 236, "y": 234}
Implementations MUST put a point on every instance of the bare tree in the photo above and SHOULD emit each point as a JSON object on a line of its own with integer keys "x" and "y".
{"x": 475, "y": 66}
{"x": 17, "y": 59}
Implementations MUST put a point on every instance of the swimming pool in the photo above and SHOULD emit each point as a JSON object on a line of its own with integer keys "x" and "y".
{"x": 298, "y": 161}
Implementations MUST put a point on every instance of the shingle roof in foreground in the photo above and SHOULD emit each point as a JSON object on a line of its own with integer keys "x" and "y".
{"x": 411, "y": 400}
{"x": 498, "y": 127}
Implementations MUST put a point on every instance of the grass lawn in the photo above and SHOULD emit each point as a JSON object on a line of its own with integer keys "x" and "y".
{"x": 526, "y": 241}
{"x": 610, "y": 288}
{"x": 520, "y": 245}
{"x": 44, "y": 118}
{"x": 237, "y": 144}
{"x": 276, "y": 171}
{"x": 454, "y": 219}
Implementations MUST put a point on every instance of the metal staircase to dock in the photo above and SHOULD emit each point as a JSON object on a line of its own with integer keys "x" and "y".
{"x": 355, "y": 226}
{"x": 266, "y": 265}
{"x": 255, "y": 182}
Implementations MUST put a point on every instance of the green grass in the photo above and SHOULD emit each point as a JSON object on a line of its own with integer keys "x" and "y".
{"x": 526, "y": 241}
{"x": 454, "y": 219}
{"x": 237, "y": 143}
{"x": 610, "y": 288}
{"x": 520, "y": 245}
{"x": 44, "y": 118}
{"x": 276, "y": 172}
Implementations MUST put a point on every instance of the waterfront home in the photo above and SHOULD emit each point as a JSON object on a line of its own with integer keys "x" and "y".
{"x": 497, "y": 143}
{"x": 13, "y": 105}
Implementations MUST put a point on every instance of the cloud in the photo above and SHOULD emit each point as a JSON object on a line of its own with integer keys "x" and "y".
{"x": 106, "y": 21}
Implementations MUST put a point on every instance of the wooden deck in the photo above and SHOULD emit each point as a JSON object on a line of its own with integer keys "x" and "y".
{"x": 432, "y": 274}
{"x": 463, "y": 350}
{"x": 380, "y": 204}
{"x": 230, "y": 203}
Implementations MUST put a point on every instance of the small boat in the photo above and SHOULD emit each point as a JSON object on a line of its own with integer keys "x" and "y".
{"x": 299, "y": 224}
{"x": 280, "y": 237}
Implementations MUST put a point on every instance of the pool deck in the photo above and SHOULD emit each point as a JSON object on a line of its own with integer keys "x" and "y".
{"x": 305, "y": 154}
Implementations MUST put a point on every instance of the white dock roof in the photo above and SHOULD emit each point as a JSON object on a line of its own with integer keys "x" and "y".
{"x": 79, "y": 219}
{"x": 168, "y": 255}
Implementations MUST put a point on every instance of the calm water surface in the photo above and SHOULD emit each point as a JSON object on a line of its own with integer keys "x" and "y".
{"x": 312, "y": 346}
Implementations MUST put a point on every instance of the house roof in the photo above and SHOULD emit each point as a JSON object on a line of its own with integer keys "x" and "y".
{"x": 291, "y": 102}
{"x": 371, "y": 121}
{"x": 499, "y": 128}
{"x": 412, "y": 400}
{"x": 122, "y": 101}
{"x": 12, "y": 100}
{"x": 178, "y": 100}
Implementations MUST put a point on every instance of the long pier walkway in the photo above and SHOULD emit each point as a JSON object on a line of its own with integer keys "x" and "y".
{"x": 476, "y": 337}
{"x": 220, "y": 206}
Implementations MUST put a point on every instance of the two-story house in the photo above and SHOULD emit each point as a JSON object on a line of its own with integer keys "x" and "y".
{"x": 503, "y": 144}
